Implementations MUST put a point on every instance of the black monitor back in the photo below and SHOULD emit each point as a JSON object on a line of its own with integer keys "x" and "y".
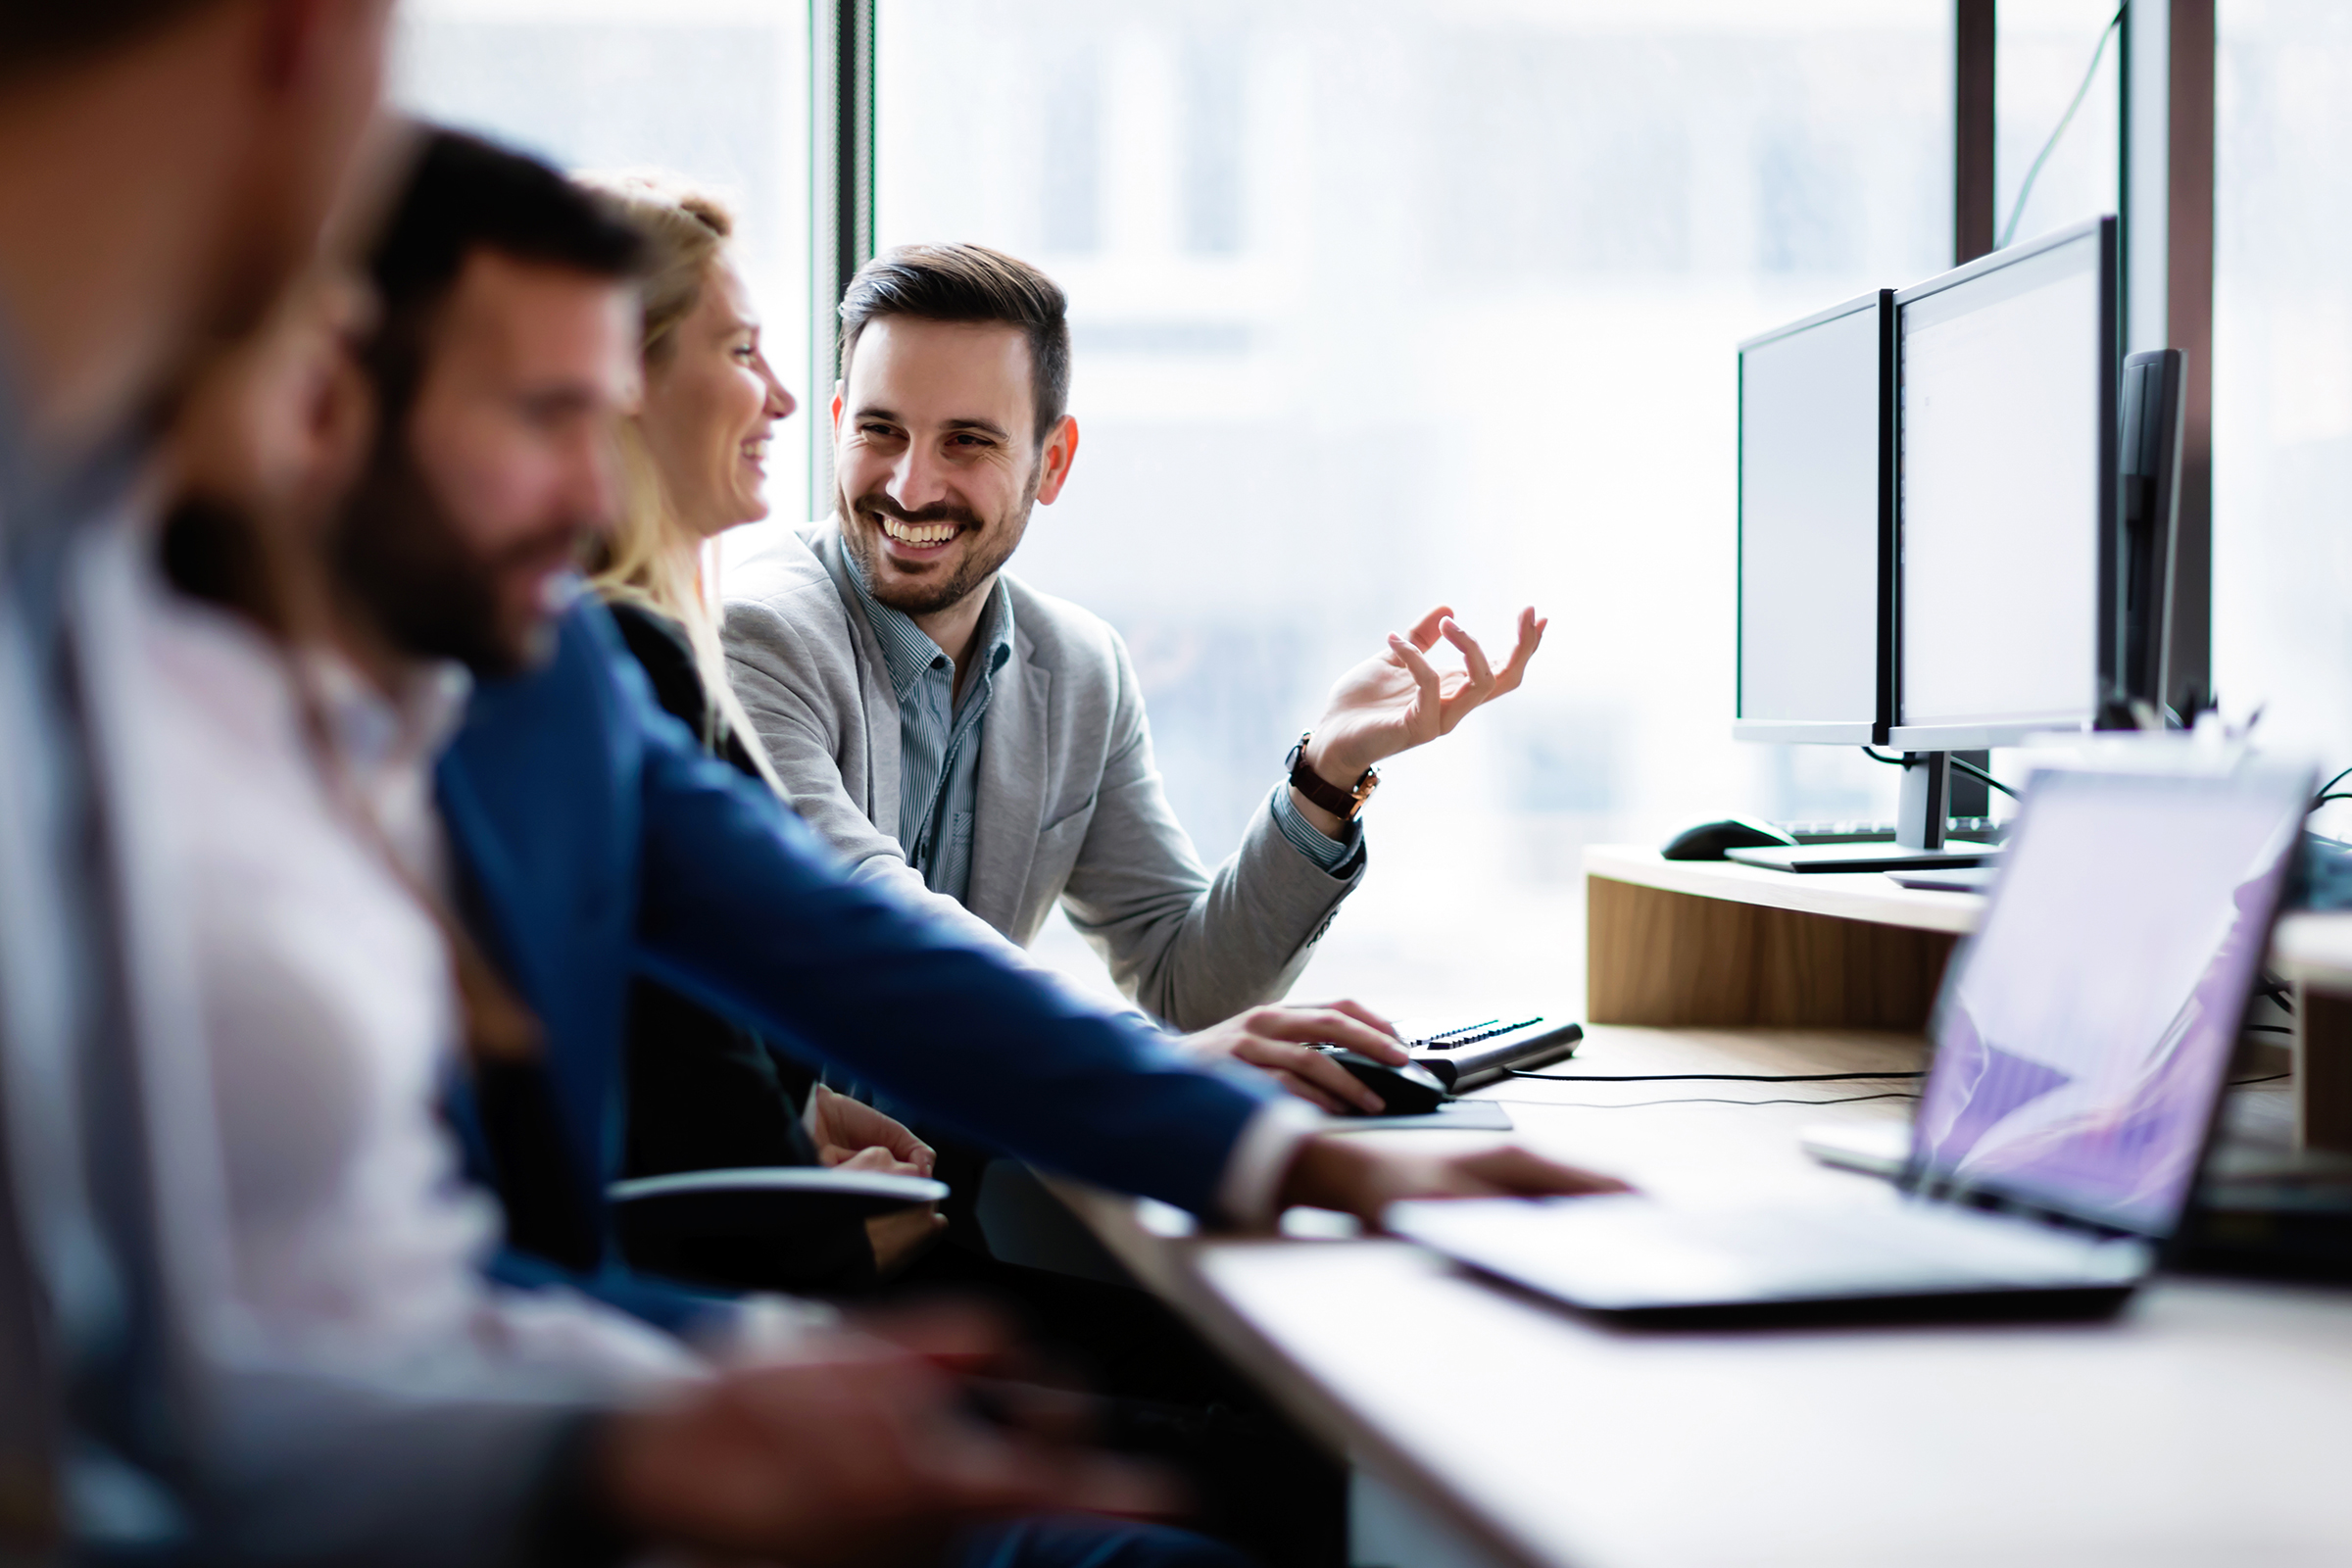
{"x": 2149, "y": 458}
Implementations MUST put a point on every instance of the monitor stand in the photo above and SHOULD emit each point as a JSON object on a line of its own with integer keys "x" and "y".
{"x": 1919, "y": 832}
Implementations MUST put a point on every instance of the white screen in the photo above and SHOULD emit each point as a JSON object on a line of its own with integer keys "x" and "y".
{"x": 1999, "y": 428}
{"x": 1809, "y": 525}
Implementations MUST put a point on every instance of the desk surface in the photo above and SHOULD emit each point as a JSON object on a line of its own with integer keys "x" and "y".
{"x": 2210, "y": 1424}
{"x": 1871, "y": 896}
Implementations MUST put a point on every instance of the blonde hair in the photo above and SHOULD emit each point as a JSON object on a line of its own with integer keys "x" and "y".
{"x": 650, "y": 559}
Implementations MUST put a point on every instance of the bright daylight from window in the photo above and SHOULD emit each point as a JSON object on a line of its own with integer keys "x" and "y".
{"x": 1394, "y": 301}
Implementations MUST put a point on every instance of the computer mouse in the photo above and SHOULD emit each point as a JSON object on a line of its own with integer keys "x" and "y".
{"x": 1709, "y": 840}
{"x": 1412, "y": 1090}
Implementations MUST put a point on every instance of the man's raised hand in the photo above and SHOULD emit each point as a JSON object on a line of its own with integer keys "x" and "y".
{"x": 1398, "y": 700}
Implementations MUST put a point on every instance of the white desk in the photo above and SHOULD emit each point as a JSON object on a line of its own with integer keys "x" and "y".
{"x": 2210, "y": 1425}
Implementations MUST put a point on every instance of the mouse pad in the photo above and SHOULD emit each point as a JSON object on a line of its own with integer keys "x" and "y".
{"x": 1453, "y": 1116}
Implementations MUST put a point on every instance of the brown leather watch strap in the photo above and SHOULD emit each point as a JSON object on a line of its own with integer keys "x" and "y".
{"x": 1342, "y": 803}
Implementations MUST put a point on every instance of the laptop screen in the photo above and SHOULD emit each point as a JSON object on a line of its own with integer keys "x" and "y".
{"x": 2084, "y": 1035}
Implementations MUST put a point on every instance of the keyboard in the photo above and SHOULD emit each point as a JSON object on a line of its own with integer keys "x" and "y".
{"x": 1982, "y": 829}
{"x": 1481, "y": 1050}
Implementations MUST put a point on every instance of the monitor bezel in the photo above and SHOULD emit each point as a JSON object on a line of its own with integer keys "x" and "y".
{"x": 2000, "y": 729}
{"x": 1804, "y": 731}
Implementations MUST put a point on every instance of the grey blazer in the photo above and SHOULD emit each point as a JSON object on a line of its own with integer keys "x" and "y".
{"x": 1070, "y": 806}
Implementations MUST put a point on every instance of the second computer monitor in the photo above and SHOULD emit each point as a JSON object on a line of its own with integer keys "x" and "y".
{"x": 2005, "y": 453}
{"x": 1815, "y": 512}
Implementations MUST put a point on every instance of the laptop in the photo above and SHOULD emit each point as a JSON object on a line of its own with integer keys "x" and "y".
{"x": 2082, "y": 1042}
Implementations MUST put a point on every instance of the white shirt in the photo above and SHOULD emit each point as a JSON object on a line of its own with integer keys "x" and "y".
{"x": 330, "y": 1015}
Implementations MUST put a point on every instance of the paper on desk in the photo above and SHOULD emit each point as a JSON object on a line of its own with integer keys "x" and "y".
{"x": 1453, "y": 1116}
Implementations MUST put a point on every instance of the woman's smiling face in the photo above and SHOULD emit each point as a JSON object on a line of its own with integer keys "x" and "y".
{"x": 710, "y": 402}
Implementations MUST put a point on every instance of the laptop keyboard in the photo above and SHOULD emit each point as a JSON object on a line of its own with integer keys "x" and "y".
{"x": 1925, "y": 1236}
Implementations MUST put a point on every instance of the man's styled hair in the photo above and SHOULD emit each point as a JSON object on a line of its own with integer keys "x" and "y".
{"x": 466, "y": 195}
{"x": 37, "y": 33}
{"x": 968, "y": 283}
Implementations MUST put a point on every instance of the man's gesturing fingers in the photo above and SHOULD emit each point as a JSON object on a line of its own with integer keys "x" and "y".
{"x": 1429, "y": 627}
{"x": 1531, "y": 638}
{"x": 1422, "y": 724}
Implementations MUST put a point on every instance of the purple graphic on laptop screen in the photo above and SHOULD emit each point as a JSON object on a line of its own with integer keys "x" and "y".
{"x": 2082, "y": 1042}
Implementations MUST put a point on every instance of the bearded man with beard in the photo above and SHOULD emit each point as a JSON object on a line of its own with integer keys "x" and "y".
{"x": 955, "y": 732}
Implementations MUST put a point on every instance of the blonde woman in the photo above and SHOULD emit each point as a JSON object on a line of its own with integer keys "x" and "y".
{"x": 703, "y": 1092}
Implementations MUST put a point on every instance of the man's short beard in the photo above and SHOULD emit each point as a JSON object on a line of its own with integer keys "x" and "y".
{"x": 926, "y": 597}
{"x": 396, "y": 552}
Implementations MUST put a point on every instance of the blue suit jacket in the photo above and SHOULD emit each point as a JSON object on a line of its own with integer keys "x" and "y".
{"x": 601, "y": 844}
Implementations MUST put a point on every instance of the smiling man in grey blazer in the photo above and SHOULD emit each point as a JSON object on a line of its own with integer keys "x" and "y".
{"x": 947, "y": 726}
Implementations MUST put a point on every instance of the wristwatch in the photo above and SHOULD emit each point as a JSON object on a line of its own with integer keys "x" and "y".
{"x": 1344, "y": 803}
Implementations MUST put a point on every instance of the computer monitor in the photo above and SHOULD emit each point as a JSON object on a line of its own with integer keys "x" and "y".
{"x": 2005, "y": 488}
{"x": 1816, "y": 519}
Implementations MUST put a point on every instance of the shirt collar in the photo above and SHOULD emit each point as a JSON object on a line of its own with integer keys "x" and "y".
{"x": 908, "y": 652}
{"x": 376, "y": 733}
{"x": 40, "y": 497}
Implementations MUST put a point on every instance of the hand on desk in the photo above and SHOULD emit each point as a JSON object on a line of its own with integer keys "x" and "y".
{"x": 1344, "y": 1174}
{"x": 1282, "y": 1040}
{"x": 852, "y": 1135}
{"x": 856, "y": 1448}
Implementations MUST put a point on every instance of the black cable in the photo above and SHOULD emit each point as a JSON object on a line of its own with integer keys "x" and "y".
{"x": 1975, "y": 772}
{"x": 1970, "y": 769}
{"x": 2334, "y": 782}
{"x": 2267, "y": 1029}
{"x": 1711, "y": 1077}
{"x": 2240, "y": 1083}
{"x": 2088, "y": 77}
{"x": 2340, "y": 795}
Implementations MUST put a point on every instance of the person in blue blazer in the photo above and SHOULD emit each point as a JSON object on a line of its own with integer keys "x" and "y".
{"x": 594, "y": 841}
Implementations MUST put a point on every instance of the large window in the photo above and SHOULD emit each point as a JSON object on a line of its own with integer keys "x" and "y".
{"x": 1385, "y": 303}
{"x": 716, "y": 90}
{"x": 2044, "y": 57}
{"x": 2282, "y": 375}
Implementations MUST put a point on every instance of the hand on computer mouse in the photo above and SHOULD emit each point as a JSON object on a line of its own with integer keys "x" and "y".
{"x": 1282, "y": 1040}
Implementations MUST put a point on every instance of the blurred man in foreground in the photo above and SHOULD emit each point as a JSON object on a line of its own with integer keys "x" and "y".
{"x": 164, "y": 166}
